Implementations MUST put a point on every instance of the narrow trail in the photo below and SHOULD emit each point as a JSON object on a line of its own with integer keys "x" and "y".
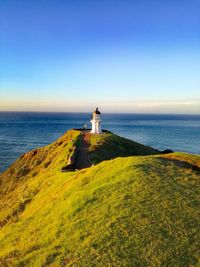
{"x": 82, "y": 157}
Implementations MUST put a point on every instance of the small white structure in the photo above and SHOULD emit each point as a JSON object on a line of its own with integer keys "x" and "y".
{"x": 96, "y": 122}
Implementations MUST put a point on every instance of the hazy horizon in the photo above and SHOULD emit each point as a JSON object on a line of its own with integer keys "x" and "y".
{"x": 143, "y": 107}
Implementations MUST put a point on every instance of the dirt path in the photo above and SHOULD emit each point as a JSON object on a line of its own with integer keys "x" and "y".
{"x": 82, "y": 157}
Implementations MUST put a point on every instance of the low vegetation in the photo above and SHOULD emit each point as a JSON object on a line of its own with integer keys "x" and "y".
{"x": 108, "y": 146}
{"x": 128, "y": 211}
{"x": 14, "y": 181}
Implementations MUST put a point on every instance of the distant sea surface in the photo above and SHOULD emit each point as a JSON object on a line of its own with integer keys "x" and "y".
{"x": 24, "y": 131}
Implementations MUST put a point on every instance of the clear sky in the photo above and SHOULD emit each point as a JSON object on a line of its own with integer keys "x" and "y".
{"x": 123, "y": 56}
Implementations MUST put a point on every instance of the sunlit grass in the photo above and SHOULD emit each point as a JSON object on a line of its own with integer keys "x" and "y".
{"x": 129, "y": 211}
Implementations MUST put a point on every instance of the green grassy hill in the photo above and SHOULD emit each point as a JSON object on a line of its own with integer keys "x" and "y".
{"x": 128, "y": 211}
{"x": 108, "y": 146}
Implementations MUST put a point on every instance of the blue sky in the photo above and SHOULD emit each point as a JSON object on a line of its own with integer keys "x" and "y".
{"x": 123, "y": 56}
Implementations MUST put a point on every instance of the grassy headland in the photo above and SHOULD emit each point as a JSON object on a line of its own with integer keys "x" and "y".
{"x": 128, "y": 211}
{"x": 109, "y": 146}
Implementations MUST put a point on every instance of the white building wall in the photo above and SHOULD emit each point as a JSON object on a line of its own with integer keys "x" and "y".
{"x": 96, "y": 126}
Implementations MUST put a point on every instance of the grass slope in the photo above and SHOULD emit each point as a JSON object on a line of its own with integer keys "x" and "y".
{"x": 108, "y": 146}
{"x": 15, "y": 191}
{"x": 130, "y": 211}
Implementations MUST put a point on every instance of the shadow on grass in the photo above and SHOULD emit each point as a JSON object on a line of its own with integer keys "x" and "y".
{"x": 110, "y": 146}
{"x": 181, "y": 163}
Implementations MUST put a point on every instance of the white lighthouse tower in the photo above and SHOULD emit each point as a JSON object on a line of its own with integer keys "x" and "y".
{"x": 96, "y": 122}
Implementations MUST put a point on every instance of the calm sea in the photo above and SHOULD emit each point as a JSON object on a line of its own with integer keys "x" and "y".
{"x": 22, "y": 131}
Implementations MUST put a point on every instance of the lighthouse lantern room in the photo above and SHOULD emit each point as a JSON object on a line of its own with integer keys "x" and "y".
{"x": 96, "y": 122}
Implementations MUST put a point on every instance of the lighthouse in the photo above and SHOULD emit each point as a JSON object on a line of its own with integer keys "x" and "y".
{"x": 96, "y": 122}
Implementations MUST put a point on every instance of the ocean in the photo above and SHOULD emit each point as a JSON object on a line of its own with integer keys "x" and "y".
{"x": 24, "y": 131}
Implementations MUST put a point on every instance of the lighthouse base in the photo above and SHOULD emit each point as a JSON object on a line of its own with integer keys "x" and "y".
{"x": 96, "y": 127}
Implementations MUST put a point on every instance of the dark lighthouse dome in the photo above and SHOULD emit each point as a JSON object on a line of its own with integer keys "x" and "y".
{"x": 97, "y": 111}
